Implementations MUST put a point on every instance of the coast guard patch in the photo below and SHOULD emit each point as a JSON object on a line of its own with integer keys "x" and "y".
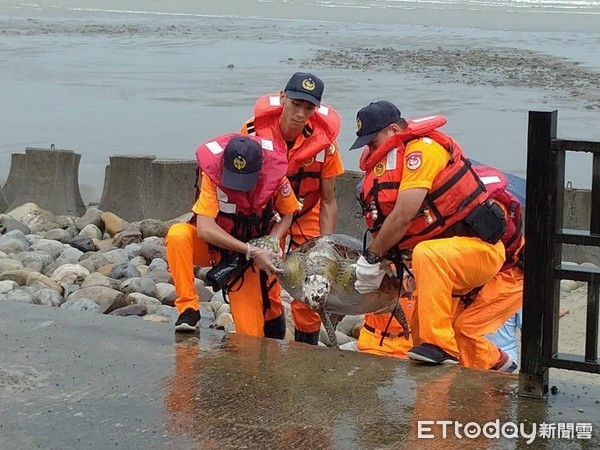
{"x": 285, "y": 189}
{"x": 379, "y": 169}
{"x": 413, "y": 161}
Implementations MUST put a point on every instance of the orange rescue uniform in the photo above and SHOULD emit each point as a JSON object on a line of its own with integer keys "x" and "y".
{"x": 306, "y": 225}
{"x": 185, "y": 249}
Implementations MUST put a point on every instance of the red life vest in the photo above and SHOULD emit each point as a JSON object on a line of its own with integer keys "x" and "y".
{"x": 306, "y": 163}
{"x": 455, "y": 192}
{"x": 496, "y": 184}
{"x": 244, "y": 215}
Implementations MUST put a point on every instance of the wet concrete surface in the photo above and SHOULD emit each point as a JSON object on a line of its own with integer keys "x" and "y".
{"x": 76, "y": 380}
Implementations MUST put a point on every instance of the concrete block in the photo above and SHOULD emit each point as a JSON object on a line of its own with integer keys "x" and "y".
{"x": 3, "y": 204}
{"x": 350, "y": 221}
{"x": 127, "y": 186}
{"x": 174, "y": 190}
{"x": 17, "y": 169}
{"x": 49, "y": 178}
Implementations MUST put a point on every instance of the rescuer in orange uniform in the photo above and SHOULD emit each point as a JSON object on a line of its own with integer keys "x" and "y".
{"x": 244, "y": 194}
{"x": 297, "y": 120}
{"x": 420, "y": 193}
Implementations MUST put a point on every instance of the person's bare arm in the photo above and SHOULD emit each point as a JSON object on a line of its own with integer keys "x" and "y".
{"x": 329, "y": 209}
{"x": 281, "y": 227}
{"x": 395, "y": 225}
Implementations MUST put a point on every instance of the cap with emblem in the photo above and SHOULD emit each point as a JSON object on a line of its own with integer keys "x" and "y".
{"x": 305, "y": 86}
{"x": 373, "y": 118}
{"x": 242, "y": 162}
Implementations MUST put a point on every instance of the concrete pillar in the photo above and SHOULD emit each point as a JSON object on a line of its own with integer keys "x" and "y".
{"x": 127, "y": 186}
{"x": 3, "y": 204}
{"x": 174, "y": 190}
{"x": 17, "y": 169}
{"x": 348, "y": 206}
{"x": 49, "y": 178}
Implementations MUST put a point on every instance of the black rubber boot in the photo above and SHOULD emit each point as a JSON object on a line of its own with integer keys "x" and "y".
{"x": 307, "y": 338}
{"x": 275, "y": 328}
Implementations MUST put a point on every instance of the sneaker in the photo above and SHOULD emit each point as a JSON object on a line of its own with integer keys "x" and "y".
{"x": 505, "y": 363}
{"x": 188, "y": 320}
{"x": 432, "y": 354}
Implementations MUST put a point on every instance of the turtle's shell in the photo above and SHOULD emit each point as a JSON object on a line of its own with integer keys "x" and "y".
{"x": 335, "y": 256}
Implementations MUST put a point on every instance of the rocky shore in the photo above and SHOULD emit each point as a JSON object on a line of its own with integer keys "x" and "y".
{"x": 102, "y": 264}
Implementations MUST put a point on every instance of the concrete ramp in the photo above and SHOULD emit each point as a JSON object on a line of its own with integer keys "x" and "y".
{"x": 81, "y": 380}
{"x": 3, "y": 204}
{"x": 48, "y": 177}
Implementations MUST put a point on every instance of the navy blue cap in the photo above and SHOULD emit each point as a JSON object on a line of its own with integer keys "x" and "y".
{"x": 305, "y": 86}
{"x": 373, "y": 118}
{"x": 242, "y": 162}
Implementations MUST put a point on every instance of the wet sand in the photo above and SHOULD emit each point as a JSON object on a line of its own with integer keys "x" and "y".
{"x": 153, "y": 77}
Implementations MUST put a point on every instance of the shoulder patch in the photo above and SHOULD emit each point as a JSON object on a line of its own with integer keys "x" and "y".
{"x": 413, "y": 160}
{"x": 331, "y": 149}
{"x": 285, "y": 189}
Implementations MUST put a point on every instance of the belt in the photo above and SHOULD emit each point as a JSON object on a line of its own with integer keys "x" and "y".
{"x": 383, "y": 333}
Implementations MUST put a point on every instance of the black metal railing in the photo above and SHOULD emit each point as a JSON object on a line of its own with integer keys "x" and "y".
{"x": 544, "y": 270}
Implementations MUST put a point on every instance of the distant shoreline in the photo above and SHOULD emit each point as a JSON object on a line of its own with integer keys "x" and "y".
{"x": 485, "y": 17}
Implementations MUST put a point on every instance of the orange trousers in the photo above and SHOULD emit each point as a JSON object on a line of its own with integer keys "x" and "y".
{"x": 497, "y": 301}
{"x": 443, "y": 267}
{"x": 397, "y": 346}
{"x": 304, "y": 228}
{"x": 186, "y": 250}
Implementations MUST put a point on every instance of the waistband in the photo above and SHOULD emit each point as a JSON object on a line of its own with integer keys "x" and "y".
{"x": 383, "y": 333}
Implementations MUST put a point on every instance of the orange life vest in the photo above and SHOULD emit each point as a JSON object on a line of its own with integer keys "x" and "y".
{"x": 306, "y": 163}
{"x": 455, "y": 192}
{"x": 244, "y": 215}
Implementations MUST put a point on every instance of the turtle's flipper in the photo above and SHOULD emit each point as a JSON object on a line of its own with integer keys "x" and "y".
{"x": 329, "y": 328}
{"x": 399, "y": 315}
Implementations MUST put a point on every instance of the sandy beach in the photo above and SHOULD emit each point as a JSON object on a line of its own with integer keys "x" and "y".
{"x": 155, "y": 77}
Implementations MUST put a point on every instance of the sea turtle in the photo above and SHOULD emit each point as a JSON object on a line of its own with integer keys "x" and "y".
{"x": 321, "y": 274}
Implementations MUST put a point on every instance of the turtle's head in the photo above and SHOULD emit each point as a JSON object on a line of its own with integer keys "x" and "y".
{"x": 315, "y": 290}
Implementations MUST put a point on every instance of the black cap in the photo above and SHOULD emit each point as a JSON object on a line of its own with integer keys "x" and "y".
{"x": 305, "y": 86}
{"x": 242, "y": 161}
{"x": 372, "y": 118}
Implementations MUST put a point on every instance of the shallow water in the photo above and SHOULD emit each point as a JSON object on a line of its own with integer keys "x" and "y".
{"x": 104, "y": 78}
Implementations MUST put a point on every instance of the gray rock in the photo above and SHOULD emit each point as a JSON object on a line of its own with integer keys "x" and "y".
{"x": 91, "y": 231}
{"x": 83, "y": 243}
{"x": 133, "y": 250}
{"x": 8, "y": 223}
{"x": 71, "y": 289}
{"x": 50, "y": 268}
{"x": 144, "y": 286}
{"x": 19, "y": 295}
{"x": 7, "y": 286}
{"x": 71, "y": 254}
{"x": 153, "y": 227}
{"x": 92, "y": 261}
{"x": 168, "y": 312}
{"x": 125, "y": 270}
{"x": 59, "y": 234}
{"x": 97, "y": 279}
{"x": 160, "y": 276}
{"x": 137, "y": 261}
{"x": 93, "y": 216}
{"x": 158, "y": 264}
{"x": 17, "y": 234}
{"x": 151, "y": 250}
{"x": 36, "y": 260}
{"x": 81, "y": 304}
{"x": 151, "y": 303}
{"x": 130, "y": 310}
{"x": 47, "y": 297}
{"x": 53, "y": 248}
{"x": 9, "y": 264}
{"x": 164, "y": 290}
{"x": 108, "y": 299}
{"x": 9, "y": 245}
{"x": 117, "y": 256}
{"x": 128, "y": 236}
